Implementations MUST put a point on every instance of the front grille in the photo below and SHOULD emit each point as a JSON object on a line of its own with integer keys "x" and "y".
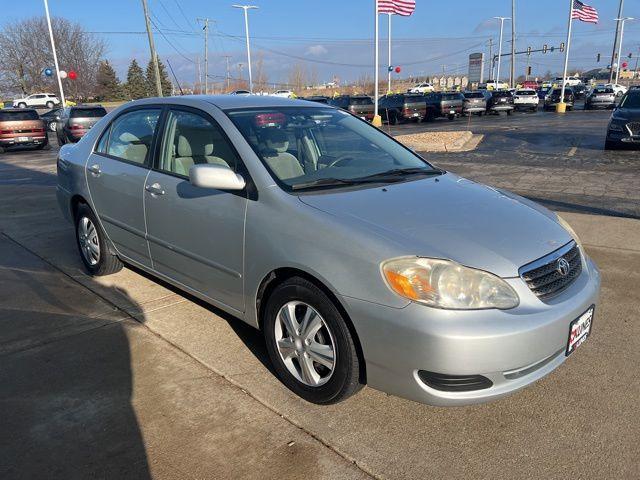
{"x": 544, "y": 277}
{"x": 454, "y": 383}
{"x": 634, "y": 128}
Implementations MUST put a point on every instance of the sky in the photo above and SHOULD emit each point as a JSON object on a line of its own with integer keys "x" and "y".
{"x": 334, "y": 38}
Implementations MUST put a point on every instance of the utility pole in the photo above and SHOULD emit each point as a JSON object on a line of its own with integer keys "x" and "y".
{"x": 227, "y": 57}
{"x": 246, "y": 8}
{"x": 615, "y": 42}
{"x": 512, "y": 76}
{"x": 198, "y": 76}
{"x": 152, "y": 48}
{"x": 490, "y": 77}
{"x": 206, "y": 53}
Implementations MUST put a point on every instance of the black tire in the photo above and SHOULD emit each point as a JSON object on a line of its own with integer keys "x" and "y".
{"x": 50, "y": 105}
{"x": 61, "y": 139}
{"x": 451, "y": 117}
{"x": 609, "y": 145}
{"x": 22, "y": 105}
{"x": 393, "y": 119}
{"x": 509, "y": 112}
{"x": 345, "y": 379}
{"x": 107, "y": 263}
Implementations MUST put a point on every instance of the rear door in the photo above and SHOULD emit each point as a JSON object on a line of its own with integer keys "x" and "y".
{"x": 196, "y": 235}
{"x": 116, "y": 174}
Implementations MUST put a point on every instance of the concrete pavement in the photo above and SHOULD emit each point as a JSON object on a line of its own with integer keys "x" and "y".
{"x": 183, "y": 399}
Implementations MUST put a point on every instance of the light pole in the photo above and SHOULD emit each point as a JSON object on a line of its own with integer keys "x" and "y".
{"x": 389, "y": 66}
{"x": 621, "y": 20}
{"x": 246, "y": 8}
{"x": 55, "y": 55}
{"x": 502, "y": 19}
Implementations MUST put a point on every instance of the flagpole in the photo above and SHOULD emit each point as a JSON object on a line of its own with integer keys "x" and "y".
{"x": 377, "y": 121}
{"x": 389, "y": 68}
{"x": 55, "y": 54}
{"x": 562, "y": 107}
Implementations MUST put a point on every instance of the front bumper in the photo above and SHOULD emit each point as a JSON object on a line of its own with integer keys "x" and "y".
{"x": 512, "y": 348}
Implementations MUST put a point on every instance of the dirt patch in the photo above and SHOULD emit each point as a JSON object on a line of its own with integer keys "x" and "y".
{"x": 460, "y": 141}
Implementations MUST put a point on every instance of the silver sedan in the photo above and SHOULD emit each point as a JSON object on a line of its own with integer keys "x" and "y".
{"x": 361, "y": 262}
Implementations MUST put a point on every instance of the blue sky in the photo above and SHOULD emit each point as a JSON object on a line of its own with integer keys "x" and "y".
{"x": 335, "y": 37}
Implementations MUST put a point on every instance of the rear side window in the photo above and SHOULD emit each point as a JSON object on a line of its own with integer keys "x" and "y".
{"x": 88, "y": 112}
{"x": 18, "y": 116}
{"x": 361, "y": 101}
{"x": 131, "y": 135}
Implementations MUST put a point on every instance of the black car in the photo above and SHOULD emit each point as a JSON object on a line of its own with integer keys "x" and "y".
{"x": 579, "y": 91}
{"x": 553, "y": 98}
{"x": 500, "y": 101}
{"x": 403, "y": 107}
{"x": 624, "y": 126}
{"x": 444, "y": 104}
{"x": 74, "y": 122}
{"x": 49, "y": 118}
{"x": 317, "y": 99}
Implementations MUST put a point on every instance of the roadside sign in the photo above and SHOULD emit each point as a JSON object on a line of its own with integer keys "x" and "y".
{"x": 476, "y": 68}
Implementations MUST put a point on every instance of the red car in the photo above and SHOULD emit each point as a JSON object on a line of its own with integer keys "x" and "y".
{"x": 530, "y": 84}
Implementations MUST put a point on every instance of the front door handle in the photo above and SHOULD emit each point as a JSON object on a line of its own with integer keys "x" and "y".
{"x": 95, "y": 170}
{"x": 154, "y": 189}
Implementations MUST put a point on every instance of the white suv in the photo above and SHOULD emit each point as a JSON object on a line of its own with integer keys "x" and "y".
{"x": 48, "y": 100}
{"x": 525, "y": 99}
{"x": 617, "y": 88}
{"x": 422, "y": 88}
{"x": 283, "y": 94}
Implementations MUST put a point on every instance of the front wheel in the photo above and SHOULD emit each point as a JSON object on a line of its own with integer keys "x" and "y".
{"x": 92, "y": 244}
{"x": 22, "y": 105}
{"x": 50, "y": 105}
{"x": 309, "y": 343}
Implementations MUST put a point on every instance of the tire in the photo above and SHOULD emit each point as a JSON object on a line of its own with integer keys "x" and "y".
{"x": 509, "y": 112}
{"x": 50, "y": 105}
{"x": 326, "y": 383}
{"x": 451, "y": 117}
{"x": 393, "y": 119}
{"x": 22, "y": 105}
{"x": 89, "y": 233}
{"x": 609, "y": 145}
{"x": 61, "y": 139}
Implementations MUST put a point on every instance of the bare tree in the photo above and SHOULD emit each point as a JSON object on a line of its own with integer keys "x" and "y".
{"x": 261, "y": 80}
{"x": 27, "y": 52}
{"x": 297, "y": 77}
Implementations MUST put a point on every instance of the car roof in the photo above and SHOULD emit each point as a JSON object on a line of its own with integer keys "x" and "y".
{"x": 227, "y": 102}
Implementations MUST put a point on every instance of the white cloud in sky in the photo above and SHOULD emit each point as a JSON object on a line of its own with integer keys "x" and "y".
{"x": 316, "y": 50}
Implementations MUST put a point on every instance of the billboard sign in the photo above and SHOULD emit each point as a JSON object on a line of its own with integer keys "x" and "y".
{"x": 476, "y": 68}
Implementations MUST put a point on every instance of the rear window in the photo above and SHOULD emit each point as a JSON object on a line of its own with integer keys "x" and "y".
{"x": 88, "y": 112}
{"x": 451, "y": 96}
{"x": 525, "y": 92}
{"x": 473, "y": 95}
{"x": 603, "y": 90}
{"x": 502, "y": 94}
{"x": 361, "y": 101}
{"x": 18, "y": 116}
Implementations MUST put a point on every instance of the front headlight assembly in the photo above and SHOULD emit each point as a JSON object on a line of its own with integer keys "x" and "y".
{"x": 614, "y": 127}
{"x": 448, "y": 285}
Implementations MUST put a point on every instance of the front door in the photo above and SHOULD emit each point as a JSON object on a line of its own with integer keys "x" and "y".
{"x": 196, "y": 235}
{"x": 116, "y": 174}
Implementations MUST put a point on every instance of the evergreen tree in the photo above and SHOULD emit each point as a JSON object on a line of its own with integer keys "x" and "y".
{"x": 136, "y": 83}
{"x": 108, "y": 86}
{"x": 165, "y": 83}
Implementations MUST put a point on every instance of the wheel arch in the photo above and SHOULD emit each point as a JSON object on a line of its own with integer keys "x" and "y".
{"x": 280, "y": 275}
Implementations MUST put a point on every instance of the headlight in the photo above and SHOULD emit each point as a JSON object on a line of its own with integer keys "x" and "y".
{"x": 570, "y": 230}
{"x": 615, "y": 127}
{"x": 445, "y": 284}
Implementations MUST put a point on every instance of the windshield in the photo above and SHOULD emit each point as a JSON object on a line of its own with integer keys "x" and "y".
{"x": 13, "y": 116}
{"x": 631, "y": 100}
{"x": 305, "y": 146}
{"x": 473, "y": 95}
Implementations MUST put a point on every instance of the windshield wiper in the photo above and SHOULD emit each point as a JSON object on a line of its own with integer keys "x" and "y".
{"x": 324, "y": 182}
{"x": 400, "y": 172}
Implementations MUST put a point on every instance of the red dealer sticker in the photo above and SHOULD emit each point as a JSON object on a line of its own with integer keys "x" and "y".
{"x": 579, "y": 330}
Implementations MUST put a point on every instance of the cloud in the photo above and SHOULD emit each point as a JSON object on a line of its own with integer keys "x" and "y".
{"x": 486, "y": 25}
{"x": 316, "y": 50}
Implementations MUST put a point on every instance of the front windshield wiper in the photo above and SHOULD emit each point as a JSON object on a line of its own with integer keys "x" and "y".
{"x": 400, "y": 172}
{"x": 324, "y": 182}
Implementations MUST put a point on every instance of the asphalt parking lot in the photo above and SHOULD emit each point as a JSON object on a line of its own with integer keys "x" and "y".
{"x": 124, "y": 377}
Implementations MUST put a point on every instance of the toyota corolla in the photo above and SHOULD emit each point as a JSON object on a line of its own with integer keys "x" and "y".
{"x": 360, "y": 261}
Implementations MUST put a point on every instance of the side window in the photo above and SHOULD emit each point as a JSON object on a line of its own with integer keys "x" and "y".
{"x": 191, "y": 139}
{"x": 131, "y": 135}
{"x": 102, "y": 143}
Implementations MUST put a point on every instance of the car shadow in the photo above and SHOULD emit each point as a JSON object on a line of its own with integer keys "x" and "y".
{"x": 66, "y": 380}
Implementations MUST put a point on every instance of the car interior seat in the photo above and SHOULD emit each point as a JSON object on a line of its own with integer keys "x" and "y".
{"x": 194, "y": 147}
{"x": 284, "y": 164}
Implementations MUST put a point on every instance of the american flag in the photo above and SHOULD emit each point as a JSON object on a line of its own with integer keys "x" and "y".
{"x": 399, "y": 7}
{"x": 584, "y": 13}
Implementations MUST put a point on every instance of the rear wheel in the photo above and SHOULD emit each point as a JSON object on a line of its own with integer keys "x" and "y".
{"x": 451, "y": 117}
{"x": 22, "y": 105}
{"x": 92, "y": 244}
{"x": 49, "y": 104}
{"x": 309, "y": 343}
{"x": 609, "y": 145}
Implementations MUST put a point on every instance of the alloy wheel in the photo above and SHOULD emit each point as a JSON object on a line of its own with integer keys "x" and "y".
{"x": 89, "y": 241}
{"x": 305, "y": 343}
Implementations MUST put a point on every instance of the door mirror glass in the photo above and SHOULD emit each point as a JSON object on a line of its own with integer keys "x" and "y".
{"x": 215, "y": 176}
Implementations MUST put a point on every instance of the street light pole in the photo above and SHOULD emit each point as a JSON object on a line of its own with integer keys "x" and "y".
{"x": 55, "y": 55}
{"x": 621, "y": 20}
{"x": 502, "y": 19}
{"x": 389, "y": 67}
{"x": 512, "y": 76}
{"x": 615, "y": 41}
{"x": 246, "y": 8}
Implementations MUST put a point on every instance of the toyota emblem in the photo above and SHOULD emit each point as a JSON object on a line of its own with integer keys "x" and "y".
{"x": 563, "y": 267}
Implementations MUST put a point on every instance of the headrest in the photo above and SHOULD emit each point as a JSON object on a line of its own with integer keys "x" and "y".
{"x": 275, "y": 139}
{"x": 198, "y": 143}
{"x": 127, "y": 137}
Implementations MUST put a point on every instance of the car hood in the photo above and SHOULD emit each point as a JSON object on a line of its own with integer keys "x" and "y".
{"x": 451, "y": 217}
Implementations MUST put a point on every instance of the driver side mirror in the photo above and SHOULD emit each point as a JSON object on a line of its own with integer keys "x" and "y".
{"x": 214, "y": 176}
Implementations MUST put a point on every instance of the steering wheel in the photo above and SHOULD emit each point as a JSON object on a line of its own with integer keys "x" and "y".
{"x": 342, "y": 158}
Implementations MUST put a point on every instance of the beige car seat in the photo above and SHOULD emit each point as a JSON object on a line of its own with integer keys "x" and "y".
{"x": 285, "y": 165}
{"x": 194, "y": 147}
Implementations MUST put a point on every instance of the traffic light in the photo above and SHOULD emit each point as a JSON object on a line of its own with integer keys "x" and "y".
{"x": 545, "y": 47}
{"x": 562, "y": 47}
{"x": 598, "y": 58}
{"x": 529, "y": 70}
{"x": 552, "y": 49}
{"x": 529, "y": 51}
{"x": 630, "y": 55}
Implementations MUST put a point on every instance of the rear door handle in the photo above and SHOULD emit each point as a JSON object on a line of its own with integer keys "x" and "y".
{"x": 154, "y": 189}
{"x": 95, "y": 170}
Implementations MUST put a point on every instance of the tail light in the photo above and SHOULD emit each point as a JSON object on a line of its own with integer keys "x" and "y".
{"x": 77, "y": 127}
{"x": 38, "y": 130}
{"x": 6, "y": 132}
{"x": 406, "y": 111}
